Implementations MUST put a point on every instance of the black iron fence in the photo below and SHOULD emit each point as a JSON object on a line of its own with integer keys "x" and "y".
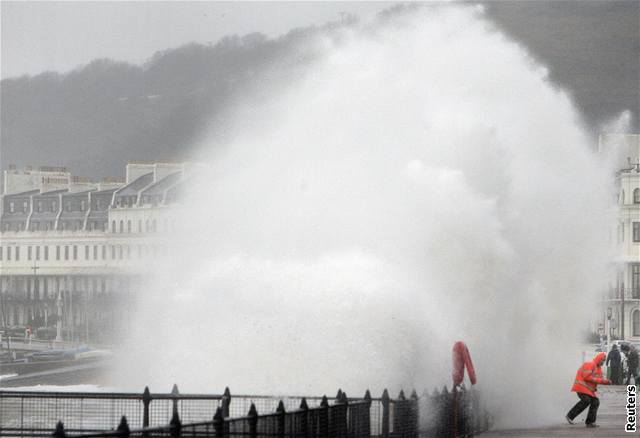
{"x": 188, "y": 415}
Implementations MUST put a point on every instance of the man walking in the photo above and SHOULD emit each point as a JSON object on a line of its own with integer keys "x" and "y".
{"x": 632, "y": 362}
{"x": 614, "y": 361}
{"x": 588, "y": 376}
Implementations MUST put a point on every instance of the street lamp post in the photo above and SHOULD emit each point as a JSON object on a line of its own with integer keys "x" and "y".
{"x": 59, "y": 321}
{"x": 622, "y": 311}
{"x": 36, "y": 289}
{"x": 608, "y": 328}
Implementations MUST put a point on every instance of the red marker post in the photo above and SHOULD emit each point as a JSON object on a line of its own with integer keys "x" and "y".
{"x": 461, "y": 361}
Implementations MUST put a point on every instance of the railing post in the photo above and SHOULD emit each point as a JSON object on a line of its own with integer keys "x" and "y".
{"x": 146, "y": 401}
{"x": 341, "y": 408}
{"x": 304, "y": 418}
{"x": 175, "y": 425}
{"x": 226, "y": 402}
{"x": 253, "y": 421}
{"x": 415, "y": 414}
{"x": 400, "y": 415}
{"x": 59, "y": 432}
{"x": 218, "y": 423}
{"x": 323, "y": 418}
{"x": 448, "y": 412}
{"x": 174, "y": 395}
{"x": 385, "y": 413}
{"x": 366, "y": 416}
{"x": 281, "y": 420}
{"x": 435, "y": 412}
{"x": 123, "y": 428}
{"x": 462, "y": 409}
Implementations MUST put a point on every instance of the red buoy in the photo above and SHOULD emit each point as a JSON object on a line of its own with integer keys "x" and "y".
{"x": 462, "y": 360}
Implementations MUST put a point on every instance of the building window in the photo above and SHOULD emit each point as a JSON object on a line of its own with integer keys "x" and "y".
{"x": 146, "y": 225}
{"x": 120, "y": 252}
{"x": 29, "y": 252}
{"x": 128, "y": 226}
{"x": 95, "y": 252}
{"x": 636, "y": 323}
{"x": 113, "y": 252}
{"x": 636, "y": 231}
{"x": 82, "y": 205}
{"x": 0, "y": 253}
{"x": 8, "y": 253}
{"x": 635, "y": 280}
{"x": 17, "y": 253}
{"x": 113, "y": 226}
{"x": 122, "y": 226}
{"x": 37, "y": 253}
{"x": 12, "y": 207}
{"x": 66, "y": 253}
{"x": 46, "y": 253}
{"x": 104, "y": 252}
{"x": 57, "y": 253}
{"x": 636, "y": 196}
{"x": 139, "y": 226}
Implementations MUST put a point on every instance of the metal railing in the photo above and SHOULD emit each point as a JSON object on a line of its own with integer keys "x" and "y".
{"x": 188, "y": 415}
{"x": 614, "y": 294}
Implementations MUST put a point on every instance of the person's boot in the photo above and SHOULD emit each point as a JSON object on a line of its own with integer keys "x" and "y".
{"x": 569, "y": 420}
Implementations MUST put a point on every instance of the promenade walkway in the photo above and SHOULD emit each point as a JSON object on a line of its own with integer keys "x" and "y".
{"x": 611, "y": 418}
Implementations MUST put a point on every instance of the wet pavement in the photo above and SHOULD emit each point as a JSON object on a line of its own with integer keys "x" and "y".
{"x": 611, "y": 418}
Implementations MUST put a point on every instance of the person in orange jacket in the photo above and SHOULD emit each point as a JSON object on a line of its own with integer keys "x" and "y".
{"x": 588, "y": 377}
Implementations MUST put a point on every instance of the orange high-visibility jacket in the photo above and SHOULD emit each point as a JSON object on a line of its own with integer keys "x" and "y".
{"x": 589, "y": 375}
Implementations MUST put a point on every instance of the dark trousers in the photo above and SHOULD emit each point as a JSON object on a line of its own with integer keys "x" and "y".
{"x": 616, "y": 374}
{"x": 632, "y": 372}
{"x": 585, "y": 401}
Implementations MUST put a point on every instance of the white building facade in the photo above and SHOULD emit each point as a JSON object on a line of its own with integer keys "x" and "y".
{"x": 69, "y": 252}
{"x": 622, "y": 300}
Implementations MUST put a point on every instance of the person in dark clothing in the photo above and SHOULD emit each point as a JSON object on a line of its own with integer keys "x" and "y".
{"x": 614, "y": 361}
{"x": 632, "y": 363}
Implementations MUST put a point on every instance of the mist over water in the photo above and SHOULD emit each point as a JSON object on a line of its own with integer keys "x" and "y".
{"x": 420, "y": 183}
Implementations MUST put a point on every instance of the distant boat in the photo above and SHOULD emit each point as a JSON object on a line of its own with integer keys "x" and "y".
{"x": 59, "y": 354}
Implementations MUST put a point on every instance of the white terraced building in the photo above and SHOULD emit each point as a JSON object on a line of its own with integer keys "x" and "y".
{"x": 66, "y": 246}
{"x": 623, "y": 296}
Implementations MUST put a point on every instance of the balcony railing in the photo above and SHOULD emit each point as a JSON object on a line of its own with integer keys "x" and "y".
{"x": 629, "y": 294}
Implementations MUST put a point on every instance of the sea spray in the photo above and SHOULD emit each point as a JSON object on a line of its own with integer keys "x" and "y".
{"x": 420, "y": 182}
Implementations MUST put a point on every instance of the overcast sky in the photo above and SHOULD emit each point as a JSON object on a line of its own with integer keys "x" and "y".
{"x": 39, "y": 36}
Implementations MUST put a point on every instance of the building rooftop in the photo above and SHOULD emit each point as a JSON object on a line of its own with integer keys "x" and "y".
{"x": 136, "y": 185}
